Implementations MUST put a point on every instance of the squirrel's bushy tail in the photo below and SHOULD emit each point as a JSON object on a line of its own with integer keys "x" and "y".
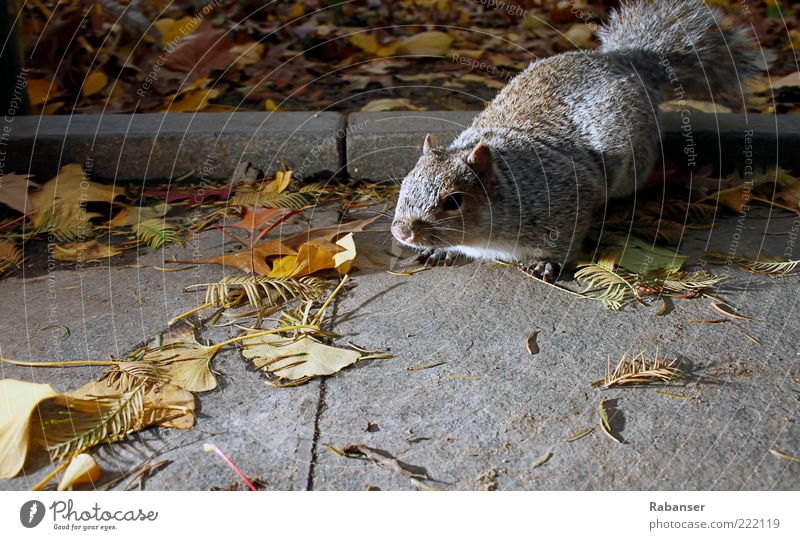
{"x": 693, "y": 47}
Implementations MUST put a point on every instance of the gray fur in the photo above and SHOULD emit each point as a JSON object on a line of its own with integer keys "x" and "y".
{"x": 568, "y": 133}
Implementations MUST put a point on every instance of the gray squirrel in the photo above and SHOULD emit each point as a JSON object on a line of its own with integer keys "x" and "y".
{"x": 524, "y": 182}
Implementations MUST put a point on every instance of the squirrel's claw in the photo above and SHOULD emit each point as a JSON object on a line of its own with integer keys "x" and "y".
{"x": 545, "y": 270}
{"x": 435, "y": 257}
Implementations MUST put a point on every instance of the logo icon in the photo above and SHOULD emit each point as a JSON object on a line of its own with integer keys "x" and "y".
{"x": 31, "y": 513}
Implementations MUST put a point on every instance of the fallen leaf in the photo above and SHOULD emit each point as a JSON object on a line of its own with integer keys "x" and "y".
{"x": 196, "y": 197}
{"x": 254, "y": 218}
{"x": 387, "y": 461}
{"x": 390, "y": 104}
{"x": 94, "y": 82}
{"x": 365, "y": 42}
{"x": 193, "y": 101}
{"x": 82, "y": 469}
{"x": 42, "y": 90}
{"x": 431, "y": 43}
{"x": 18, "y": 400}
{"x": 71, "y": 187}
{"x": 59, "y": 205}
{"x": 172, "y": 30}
{"x": 316, "y": 239}
{"x": 791, "y": 80}
{"x": 198, "y": 53}
{"x": 642, "y": 257}
{"x": 14, "y": 191}
{"x": 133, "y": 215}
{"x": 694, "y": 105}
{"x": 91, "y": 250}
{"x": 579, "y": 35}
{"x": 248, "y": 53}
{"x": 530, "y": 343}
{"x": 296, "y": 360}
{"x": 10, "y": 254}
{"x": 184, "y": 362}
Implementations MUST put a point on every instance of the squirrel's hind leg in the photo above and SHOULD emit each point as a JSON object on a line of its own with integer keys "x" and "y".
{"x": 437, "y": 256}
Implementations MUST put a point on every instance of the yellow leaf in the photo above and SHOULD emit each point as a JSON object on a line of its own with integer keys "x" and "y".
{"x": 95, "y": 81}
{"x": 171, "y": 29}
{"x": 694, "y": 105}
{"x": 83, "y": 469}
{"x": 486, "y": 81}
{"x": 387, "y": 50}
{"x": 60, "y": 204}
{"x": 247, "y": 53}
{"x": 579, "y": 35}
{"x": 18, "y": 400}
{"x": 791, "y": 80}
{"x": 41, "y": 90}
{"x": 283, "y": 267}
{"x": 292, "y": 360}
{"x": 298, "y": 10}
{"x": 184, "y": 362}
{"x": 270, "y": 105}
{"x": 10, "y": 254}
{"x": 192, "y": 101}
{"x": 344, "y": 259}
{"x": 88, "y": 251}
{"x": 432, "y": 43}
{"x": 365, "y": 42}
{"x": 71, "y": 187}
{"x": 134, "y": 215}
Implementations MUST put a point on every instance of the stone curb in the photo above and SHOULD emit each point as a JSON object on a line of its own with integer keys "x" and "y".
{"x": 388, "y": 144}
{"x": 363, "y": 145}
{"x": 159, "y": 146}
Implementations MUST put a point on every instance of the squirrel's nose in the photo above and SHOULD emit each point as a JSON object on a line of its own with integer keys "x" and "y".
{"x": 402, "y": 231}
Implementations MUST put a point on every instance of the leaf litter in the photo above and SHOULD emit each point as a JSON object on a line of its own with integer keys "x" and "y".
{"x": 155, "y": 383}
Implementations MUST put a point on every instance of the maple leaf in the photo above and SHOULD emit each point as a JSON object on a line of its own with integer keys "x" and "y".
{"x": 309, "y": 246}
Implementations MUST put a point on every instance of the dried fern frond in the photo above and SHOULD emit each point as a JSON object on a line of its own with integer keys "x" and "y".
{"x": 260, "y": 291}
{"x": 63, "y": 223}
{"x": 768, "y": 266}
{"x": 639, "y": 370}
{"x": 10, "y": 255}
{"x": 156, "y": 232}
{"x": 75, "y": 425}
{"x": 679, "y": 283}
{"x": 604, "y": 283}
{"x": 263, "y": 195}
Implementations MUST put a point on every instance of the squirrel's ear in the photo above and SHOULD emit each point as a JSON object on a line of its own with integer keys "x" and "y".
{"x": 427, "y": 146}
{"x": 480, "y": 159}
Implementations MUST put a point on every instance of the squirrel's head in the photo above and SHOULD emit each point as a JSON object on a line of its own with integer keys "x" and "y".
{"x": 443, "y": 198}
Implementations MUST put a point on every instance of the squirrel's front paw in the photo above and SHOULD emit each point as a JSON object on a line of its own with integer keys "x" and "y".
{"x": 545, "y": 270}
{"x": 435, "y": 257}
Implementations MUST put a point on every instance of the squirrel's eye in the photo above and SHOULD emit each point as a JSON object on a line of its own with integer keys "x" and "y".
{"x": 452, "y": 202}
